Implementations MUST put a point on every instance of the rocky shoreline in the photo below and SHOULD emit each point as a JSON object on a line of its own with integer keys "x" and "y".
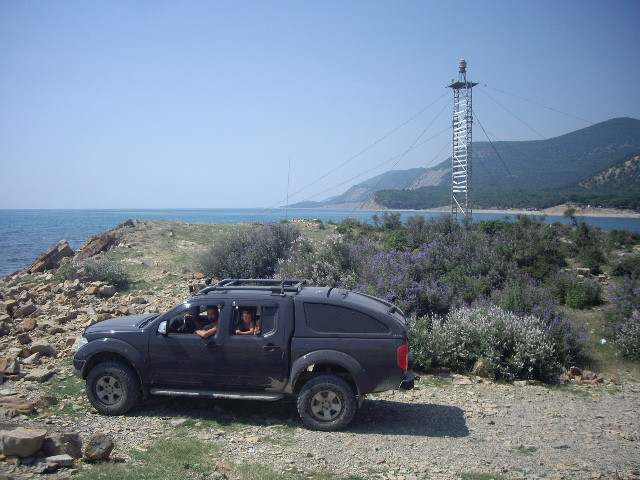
{"x": 448, "y": 426}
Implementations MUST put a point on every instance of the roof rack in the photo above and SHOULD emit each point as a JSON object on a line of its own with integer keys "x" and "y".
{"x": 266, "y": 284}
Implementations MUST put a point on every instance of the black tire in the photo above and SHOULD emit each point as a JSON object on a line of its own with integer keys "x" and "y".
{"x": 326, "y": 403}
{"x": 113, "y": 388}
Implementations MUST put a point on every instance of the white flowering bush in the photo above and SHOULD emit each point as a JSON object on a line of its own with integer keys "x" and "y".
{"x": 517, "y": 346}
{"x": 627, "y": 336}
{"x": 332, "y": 263}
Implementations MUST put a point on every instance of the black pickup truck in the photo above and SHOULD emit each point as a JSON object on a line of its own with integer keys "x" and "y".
{"x": 328, "y": 346}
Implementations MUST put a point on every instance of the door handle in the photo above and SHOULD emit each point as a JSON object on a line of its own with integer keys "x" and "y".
{"x": 271, "y": 347}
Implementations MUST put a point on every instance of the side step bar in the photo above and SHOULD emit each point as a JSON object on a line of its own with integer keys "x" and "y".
{"x": 270, "y": 397}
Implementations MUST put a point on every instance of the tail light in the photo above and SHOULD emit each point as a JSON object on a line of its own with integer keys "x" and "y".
{"x": 403, "y": 356}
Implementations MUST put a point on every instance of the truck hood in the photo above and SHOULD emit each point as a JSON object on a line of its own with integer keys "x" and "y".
{"x": 119, "y": 324}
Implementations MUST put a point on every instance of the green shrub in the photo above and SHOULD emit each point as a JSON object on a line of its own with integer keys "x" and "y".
{"x": 588, "y": 246}
{"x": 583, "y": 294}
{"x": 622, "y": 238}
{"x": 252, "y": 253}
{"x": 628, "y": 266}
{"x": 95, "y": 270}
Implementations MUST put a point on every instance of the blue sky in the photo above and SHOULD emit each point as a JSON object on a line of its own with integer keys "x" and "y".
{"x": 213, "y": 104}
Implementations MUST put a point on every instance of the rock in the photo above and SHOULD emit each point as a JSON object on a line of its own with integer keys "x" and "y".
{"x": 39, "y": 375}
{"x": 10, "y": 365}
{"x": 484, "y": 369}
{"x": 5, "y": 329}
{"x": 43, "y": 348}
{"x": 53, "y": 464}
{"x": 98, "y": 448}
{"x": 50, "y": 259}
{"x": 23, "y": 338}
{"x": 107, "y": 291}
{"x": 24, "y": 310}
{"x": 21, "y": 442}
{"x": 97, "y": 244}
{"x": 92, "y": 290}
{"x": 32, "y": 359}
{"x": 63, "y": 443}
{"x": 46, "y": 401}
{"x": 123, "y": 310}
{"x": 29, "y": 324}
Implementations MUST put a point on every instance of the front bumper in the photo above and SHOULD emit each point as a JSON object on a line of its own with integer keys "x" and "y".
{"x": 78, "y": 366}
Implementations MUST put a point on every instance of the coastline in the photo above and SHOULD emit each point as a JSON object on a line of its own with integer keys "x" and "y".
{"x": 557, "y": 210}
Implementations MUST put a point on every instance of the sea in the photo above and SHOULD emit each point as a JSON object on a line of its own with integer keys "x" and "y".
{"x": 24, "y": 234}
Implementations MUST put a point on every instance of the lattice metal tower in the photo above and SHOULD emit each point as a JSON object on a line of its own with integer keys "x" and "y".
{"x": 461, "y": 206}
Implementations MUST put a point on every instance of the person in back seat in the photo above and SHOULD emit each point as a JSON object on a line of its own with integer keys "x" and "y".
{"x": 248, "y": 325}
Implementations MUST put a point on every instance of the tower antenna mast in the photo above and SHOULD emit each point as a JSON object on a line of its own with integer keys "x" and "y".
{"x": 461, "y": 206}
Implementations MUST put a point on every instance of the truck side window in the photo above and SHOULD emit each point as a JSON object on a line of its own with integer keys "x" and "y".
{"x": 324, "y": 318}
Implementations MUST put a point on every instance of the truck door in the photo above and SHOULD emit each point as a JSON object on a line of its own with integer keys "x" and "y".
{"x": 258, "y": 361}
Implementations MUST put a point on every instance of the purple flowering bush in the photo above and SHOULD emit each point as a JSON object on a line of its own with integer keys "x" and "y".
{"x": 627, "y": 336}
{"x": 252, "y": 253}
{"x": 516, "y": 346}
{"x": 623, "y": 317}
{"x": 451, "y": 270}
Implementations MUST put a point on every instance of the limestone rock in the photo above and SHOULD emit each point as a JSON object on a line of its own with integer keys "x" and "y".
{"x": 98, "y": 448}
{"x": 51, "y": 259}
{"x": 63, "y": 443}
{"x": 107, "y": 291}
{"x": 24, "y": 310}
{"x": 39, "y": 375}
{"x": 10, "y": 365}
{"x": 43, "y": 348}
{"x": 21, "y": 442}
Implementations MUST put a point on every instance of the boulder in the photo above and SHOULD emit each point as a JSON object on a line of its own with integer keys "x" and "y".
{"x": 23, "y": 338}
{"x": 43, "y": 348}
{"x": 5, "y": 329}
{"x": 10, "y": 365}
{"x": 63, "y": 444}
{"x": 53, "y": 464}
{"x": 107, "y": 291}
{"x": 39, "y": 375}
{"x": 24, "y": 310}
{"x": 51, "y": 259}
{"x": 98, "y": 448}
{"x": 29, "y": 324}
{"x": 22, "y": 442}
{"x": 96, "y": 244}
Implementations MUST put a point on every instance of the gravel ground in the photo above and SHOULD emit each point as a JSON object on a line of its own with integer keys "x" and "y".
{"x": 440, "y": 430}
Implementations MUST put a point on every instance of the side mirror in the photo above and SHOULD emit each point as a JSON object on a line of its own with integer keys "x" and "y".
{"x": 162, "y": 328}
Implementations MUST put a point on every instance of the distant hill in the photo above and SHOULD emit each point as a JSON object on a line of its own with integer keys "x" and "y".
{"x": 523, "y": 169}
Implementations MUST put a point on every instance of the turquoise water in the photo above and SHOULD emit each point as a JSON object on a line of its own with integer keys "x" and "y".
{"x": 24, "y": 234}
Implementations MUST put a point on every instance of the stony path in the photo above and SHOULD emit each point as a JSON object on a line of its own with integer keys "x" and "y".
{"x": 436, "y": 431}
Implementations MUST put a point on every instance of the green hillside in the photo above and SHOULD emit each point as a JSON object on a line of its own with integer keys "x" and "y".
{"x": 616, "y": 186}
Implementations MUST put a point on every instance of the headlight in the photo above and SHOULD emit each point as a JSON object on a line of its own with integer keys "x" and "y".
{"x": 81, "y": 342}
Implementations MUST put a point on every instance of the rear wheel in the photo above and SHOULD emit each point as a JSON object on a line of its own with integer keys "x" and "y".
{"x": 113, "y": 388}
{"x": 326, "y": 403}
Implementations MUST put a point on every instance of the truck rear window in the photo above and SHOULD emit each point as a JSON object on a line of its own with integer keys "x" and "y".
{"x": 324, "y": 318}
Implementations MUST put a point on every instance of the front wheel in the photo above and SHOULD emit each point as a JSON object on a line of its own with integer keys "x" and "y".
{"x": 113, "y": 388}
{"x": 326, "y": 403}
